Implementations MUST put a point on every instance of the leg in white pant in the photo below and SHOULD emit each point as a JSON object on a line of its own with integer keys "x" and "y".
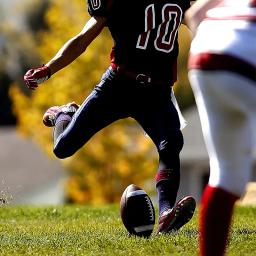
{"x": 227, "y": 105}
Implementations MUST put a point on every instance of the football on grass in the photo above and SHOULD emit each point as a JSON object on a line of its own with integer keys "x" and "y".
{"x": 137, "y": 211}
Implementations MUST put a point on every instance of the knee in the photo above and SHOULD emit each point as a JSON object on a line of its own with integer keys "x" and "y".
{"x": 231, "y": 177}
{"x": 61, "y": 152}
{"x": 169, "y": 151}
{"x": 173, "y": 145}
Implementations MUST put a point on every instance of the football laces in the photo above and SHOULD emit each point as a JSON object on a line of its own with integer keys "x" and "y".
{"x": 150, "y": 207}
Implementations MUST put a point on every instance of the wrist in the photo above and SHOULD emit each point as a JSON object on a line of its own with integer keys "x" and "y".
{"x": 48, "y": 70}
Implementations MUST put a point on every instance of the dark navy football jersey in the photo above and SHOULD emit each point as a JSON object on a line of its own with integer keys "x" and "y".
{"x": 145, "y": 32}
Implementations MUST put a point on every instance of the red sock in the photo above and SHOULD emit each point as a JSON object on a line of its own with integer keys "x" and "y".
{"x": 214, "y": 221}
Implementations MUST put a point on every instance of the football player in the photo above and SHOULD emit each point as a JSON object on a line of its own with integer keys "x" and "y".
{"x": 222, "y": 73}
{"x": 137, "y": 84}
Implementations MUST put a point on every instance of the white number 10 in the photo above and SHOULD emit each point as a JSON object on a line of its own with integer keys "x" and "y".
{"x": 166, "y": 31}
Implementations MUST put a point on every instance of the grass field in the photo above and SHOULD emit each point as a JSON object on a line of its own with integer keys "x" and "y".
{"x": 85, "y": 230}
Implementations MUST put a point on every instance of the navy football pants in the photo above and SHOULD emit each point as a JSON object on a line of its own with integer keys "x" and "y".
{"x": 116, "y": 97}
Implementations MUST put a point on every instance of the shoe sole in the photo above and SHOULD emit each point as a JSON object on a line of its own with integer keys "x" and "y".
{"x": 184, "y": 211}
{"x": 183, "y": 214}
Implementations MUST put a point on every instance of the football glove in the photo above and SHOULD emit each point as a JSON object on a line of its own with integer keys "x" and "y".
{"x": 36, "y": 76}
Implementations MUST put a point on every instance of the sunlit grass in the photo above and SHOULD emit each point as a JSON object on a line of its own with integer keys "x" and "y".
{"x": 86, "y": 230}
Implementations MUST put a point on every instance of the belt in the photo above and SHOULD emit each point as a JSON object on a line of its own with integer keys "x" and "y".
{"x": 141, "y": 78}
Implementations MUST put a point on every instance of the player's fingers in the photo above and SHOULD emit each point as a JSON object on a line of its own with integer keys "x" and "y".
{"x": 29, "y": 73}
{"x": 31, "y": 85}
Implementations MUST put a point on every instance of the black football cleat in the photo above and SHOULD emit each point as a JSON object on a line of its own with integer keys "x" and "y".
{"x": 173, "y": 219}
{"x": 49, "y": 117}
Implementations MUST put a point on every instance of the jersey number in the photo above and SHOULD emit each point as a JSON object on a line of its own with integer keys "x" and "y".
{"x": 95, "y": 4}
{"x": 166, "y": 31}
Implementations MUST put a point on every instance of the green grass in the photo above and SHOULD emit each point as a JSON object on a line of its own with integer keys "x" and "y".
{"x": 85, "y": 230}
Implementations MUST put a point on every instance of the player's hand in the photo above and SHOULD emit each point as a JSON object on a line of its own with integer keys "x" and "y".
{"x": 36, "y": 76}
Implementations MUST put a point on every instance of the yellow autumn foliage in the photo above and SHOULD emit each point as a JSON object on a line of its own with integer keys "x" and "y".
{"x": 115, "y": 157}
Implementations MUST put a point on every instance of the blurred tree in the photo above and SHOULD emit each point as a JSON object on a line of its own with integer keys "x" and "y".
{"x": 115, "y": 157}
{"x": 35, "y": 11}
{"x": 17, "y": 48}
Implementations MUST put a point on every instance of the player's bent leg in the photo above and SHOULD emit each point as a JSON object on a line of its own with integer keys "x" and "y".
{"x": 67, "y": 134}
{"x": 61, "y": 124}
{"x": 59, "y": 117}
{"x": 97, "y": 111}
{"x": 51, "y": 114}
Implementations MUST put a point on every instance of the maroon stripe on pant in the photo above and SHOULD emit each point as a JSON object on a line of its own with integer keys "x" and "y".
{"x": 163, "y": 175}
{"x": 213, "y": 61}
{"x": 253, "y": 3}
{"x": 249, "y": 18}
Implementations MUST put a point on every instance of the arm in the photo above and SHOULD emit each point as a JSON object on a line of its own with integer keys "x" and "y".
{"x": 73, "y": 48}
{"x": 197, "y": 12}
{"x": 184, "y": 22}
{"x": 70, "y": 51}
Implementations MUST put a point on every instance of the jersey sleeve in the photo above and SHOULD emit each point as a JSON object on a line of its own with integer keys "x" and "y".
{"x": 98, "y": 7}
